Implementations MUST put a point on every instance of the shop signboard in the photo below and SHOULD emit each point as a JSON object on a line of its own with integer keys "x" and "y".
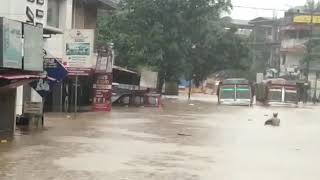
{"x": 149, "y": 79}
{"x": 33, "y": 48}
{"x": 32, "y": 107}
{"x": 102, "y": 92}
{"x": 105, "y": 59}
{"x": 11, "y": 44}
{"x": 55, "y": 73}
{"x": 79, "y": 44}
{"x": 306, "y": 19}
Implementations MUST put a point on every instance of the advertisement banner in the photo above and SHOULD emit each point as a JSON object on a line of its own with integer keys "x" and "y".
{"x": 55, "y": 74}
{"x": 11, "y": 44}
{"x": 148, "y": 79}
{"x": 79, "y": 44}
{"x": 102, "y": 93}
{"x": 33, "y": 45}
{"x": 105, "y": 59}
{"x": 306, "y": 19}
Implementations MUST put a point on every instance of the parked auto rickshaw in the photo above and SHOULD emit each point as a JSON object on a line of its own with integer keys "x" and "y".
{"x": 235, "y": 92}
{"x": 277, "y": 91}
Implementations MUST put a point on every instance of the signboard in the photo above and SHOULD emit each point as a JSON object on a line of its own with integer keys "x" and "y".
{"x": 32, "y": 108}
{"x": 33, "y": 45}
{"x": 105, "y": 60}
{"x": 306, "y": 19}
{"x": 102, "y": 93}
{"x": 148, "y": 79}
{"x": 55, "y": 73}
{"x": 79, "y": 49}
{"x": 11, "y": 44}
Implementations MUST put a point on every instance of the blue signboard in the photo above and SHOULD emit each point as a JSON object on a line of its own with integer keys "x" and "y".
{"x": 55, "y": 74}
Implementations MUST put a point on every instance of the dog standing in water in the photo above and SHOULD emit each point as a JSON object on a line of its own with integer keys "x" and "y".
{"x": 274, "y": 121}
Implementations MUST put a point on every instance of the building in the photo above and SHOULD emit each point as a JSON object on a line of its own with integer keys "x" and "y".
{"x": 55, "y": 18}
{"x": 74, "y": 15}
{"x": 295, "y": 35}
{"x": 265, "y": 45}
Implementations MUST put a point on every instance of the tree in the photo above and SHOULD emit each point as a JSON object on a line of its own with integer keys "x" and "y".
{"x": 175, "y": 37}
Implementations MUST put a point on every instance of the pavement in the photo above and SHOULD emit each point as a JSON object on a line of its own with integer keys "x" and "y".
{"x": 196, "y": 140}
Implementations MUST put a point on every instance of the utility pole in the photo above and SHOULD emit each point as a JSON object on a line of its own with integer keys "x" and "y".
{"x": 309, "y": 48}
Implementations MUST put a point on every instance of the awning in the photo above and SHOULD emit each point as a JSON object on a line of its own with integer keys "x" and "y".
{"x": 123, "y": 69}
{"x": 52, "y": 30}
{"x": 10, "y": 81}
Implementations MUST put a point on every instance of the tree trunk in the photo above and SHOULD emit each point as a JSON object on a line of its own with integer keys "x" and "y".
{"x": 161, "y": 81}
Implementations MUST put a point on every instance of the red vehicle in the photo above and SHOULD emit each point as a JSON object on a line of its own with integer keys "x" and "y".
{"x": 277, "y": 91}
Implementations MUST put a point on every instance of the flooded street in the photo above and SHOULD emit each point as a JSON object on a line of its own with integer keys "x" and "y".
{"x": 181, "y": 141}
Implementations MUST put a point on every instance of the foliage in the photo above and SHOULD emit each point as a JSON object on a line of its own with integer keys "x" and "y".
{"x": 175, "y": 37}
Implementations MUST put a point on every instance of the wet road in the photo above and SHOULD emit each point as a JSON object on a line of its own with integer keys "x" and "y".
{"x": 215, "y": 142}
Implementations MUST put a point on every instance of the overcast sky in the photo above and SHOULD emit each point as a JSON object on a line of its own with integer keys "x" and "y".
{"x": 247, "y": 14}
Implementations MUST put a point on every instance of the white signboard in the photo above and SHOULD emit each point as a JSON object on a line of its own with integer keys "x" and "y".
{"x": 259, "y": 77}
{"x": 32, "y": 108}
{"x": 149, "y": 79}
{"x": 33, "y": 45}
{"x": 79, "y": 48}
{"x": 11, "y": 44}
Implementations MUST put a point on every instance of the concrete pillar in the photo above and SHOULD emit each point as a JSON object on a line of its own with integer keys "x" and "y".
{"x": 19, "y": 100}
{"x": 57, "y": 103}
{"x": 8, "y": 112}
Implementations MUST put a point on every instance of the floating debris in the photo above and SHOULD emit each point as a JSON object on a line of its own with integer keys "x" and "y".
{"x": 181, "y": 134}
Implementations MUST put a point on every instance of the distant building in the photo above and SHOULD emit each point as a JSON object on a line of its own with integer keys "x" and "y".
{"x": 295, "y": 33}
{"x": 265, "y": 44}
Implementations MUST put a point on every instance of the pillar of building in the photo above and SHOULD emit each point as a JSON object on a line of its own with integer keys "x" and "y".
{"x": 8, "y": 112}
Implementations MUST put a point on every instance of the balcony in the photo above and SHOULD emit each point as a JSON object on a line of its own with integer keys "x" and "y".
{"x": 293, "y": 45}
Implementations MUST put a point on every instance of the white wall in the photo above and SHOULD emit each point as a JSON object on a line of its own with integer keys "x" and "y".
{"x": 11, "y": 10}
{"x": 55, "y": 44}
{"x": 19, "y": 100}
{"x": 16, "y": 10}
{"x": 293, "y": 59}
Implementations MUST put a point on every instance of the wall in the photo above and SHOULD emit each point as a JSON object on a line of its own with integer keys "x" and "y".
{"x": 13, "y": 9}
{"x": 7, "y": 111}
{"x": 16, "y": 10}
{"x": 293, "y": 59}
{"x": 85, "y": 16}
{"x": 19, "y": 100}
{"x": 292, "y": 62}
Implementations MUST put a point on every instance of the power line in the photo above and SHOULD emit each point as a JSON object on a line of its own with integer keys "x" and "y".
{"x": 258, "y": 8}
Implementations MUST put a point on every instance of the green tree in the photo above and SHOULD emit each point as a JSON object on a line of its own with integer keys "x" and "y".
{"x": 175, "y": 37}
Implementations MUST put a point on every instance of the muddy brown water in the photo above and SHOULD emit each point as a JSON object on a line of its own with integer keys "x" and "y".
{"x": 201, "y": 141}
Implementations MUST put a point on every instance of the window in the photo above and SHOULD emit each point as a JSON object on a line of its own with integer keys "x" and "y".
{"x": 53, "y": 13}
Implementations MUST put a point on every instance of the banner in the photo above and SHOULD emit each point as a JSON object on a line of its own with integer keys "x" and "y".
{"x": 148, "y": 79}
{"x": 79, "y": 44}
{"x": 10, "y": 44}
{"x": 102, "y": 92}
{"x": 33, "y": 45}
{"x": 306, "y": 19}
{"x": 55, "y": 73}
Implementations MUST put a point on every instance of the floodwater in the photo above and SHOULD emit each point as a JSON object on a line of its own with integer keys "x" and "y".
{"x": 181, "y": 141}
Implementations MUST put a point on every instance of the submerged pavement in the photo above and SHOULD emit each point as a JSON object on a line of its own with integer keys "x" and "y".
{"x": 181, "y": 141}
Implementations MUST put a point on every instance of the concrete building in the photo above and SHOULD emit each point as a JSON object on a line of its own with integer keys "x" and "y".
{"x": 265, "y": 45}
{"x": 55, "y": 17}
{"x": 73, "y": 14}
{"x": 293, "y": 45}
{"x": 295, "y": 34}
